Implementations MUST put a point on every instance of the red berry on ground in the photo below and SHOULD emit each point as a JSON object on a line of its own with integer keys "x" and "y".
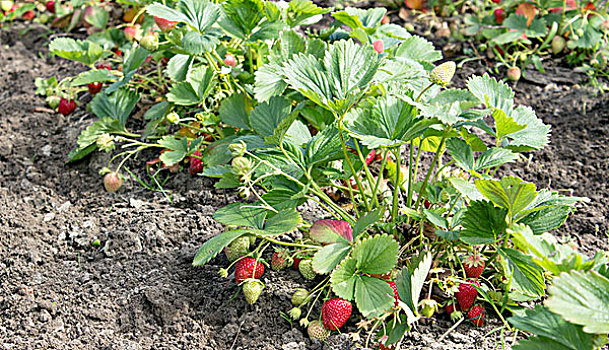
{"x": 66, "y": 107}
{"x": 29, "y": 15}
{"x": 196, "y": 164}
{"x": 248, "y": 268}
{"x": 335, "y": 312}
{"x": 473, "y": 265}
{"x": 379, "y": 46}
{"x": 280, "y": 260}
{"x": 112, "y": 182}
{"x": 164, "y": 24}
{"x": 94, "y": 88}
{"x": 466, "y": 296}
{"x": 230, "y": 60}
{"x": 476, "y": 315}
{"x": 50, "y": 5}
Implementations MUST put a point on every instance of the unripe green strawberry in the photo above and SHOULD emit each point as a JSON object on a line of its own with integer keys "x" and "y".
{"x": 252, "y": 288}
{"x": 149, "y": 42}
{"x": 306, "y": 269}
{"x": 558, "y": 44}
{"x": 280, "y": 260}
{"x": 316, "y": 330}
{"x": 300, "y": 296}
{"x": 514, "y": 74}
{"x": 237, "y": 248}
{"x": 443, "y": 74}
{"x": 428, "y": 307}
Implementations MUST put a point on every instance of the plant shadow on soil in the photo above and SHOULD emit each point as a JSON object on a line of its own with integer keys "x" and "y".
{"x": 138, "y": 290}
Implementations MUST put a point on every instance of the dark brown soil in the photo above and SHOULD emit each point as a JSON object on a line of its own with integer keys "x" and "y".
{"x": 137, "y": 290}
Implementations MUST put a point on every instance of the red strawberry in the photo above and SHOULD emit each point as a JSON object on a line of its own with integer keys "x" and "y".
{"x": 371, "y": 157}
{"x": 104, "y": 66}
{"x": 451, "y": 307}
{"x": 466, "y": 296}
{"x": 476, "y": 315}
{"x": 296, "y": 263}
{"x": 280, "y": 260}
{"x": 385, "y": 20}
{"x": 196, "y": 164}
{"x": 396, "y": 295}
{"x": 66, "y": 107}
{"x": 335, "y": 312}
{"x": 473, "y": 265}
{"x": 248, "y": 268}
{"x": 230, "y": 60}
{"x": 94, "y": 88}
{"x": 50, "y": 5}
{"x": 130, "y": 32}
{"x": 499, "y": 15}
{"x": 379, "y": 46}
{"x": 112, "y": 182}
{"x": 28, "y": 15}
{"x": 164, "y": 24}
{"x": 514, "y": 74}
{"x": 496, "y": 1}
{"x": 117, "y": 52}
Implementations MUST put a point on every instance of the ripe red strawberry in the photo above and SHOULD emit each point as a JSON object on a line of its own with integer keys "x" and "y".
{"x": 94, "y": 88}
{"x": 379, "y": 46}
{"x": 499, "y": 15}
{"x": 50, "y": 5}
{"x": 385, "y": 20}
{"x": 164, "y": 24}
{"x": 396, "y": 295}
{"x": 230, "y": 60}
{"x": 296, "y": 263}
{"x": 196, "y": 164}
{"x": 66, "y": 107}
{"x": 112, "y": 182}
{"x": 451, "y": 307}
{"x": 248, "y": 268}
{"x": 473, "y": 265}
{"x": 280, "y": 260}
{"x": 476, "y": 315}
{"x": 317, "y": 331}
{"x": 29, "y": 15}
{"x": 371, "y": 157}
{"x": 104, "y": 66}
{"x": 466, "y": 296}
{"x": 496, "y": 1}
{"x": 335, "y": 312}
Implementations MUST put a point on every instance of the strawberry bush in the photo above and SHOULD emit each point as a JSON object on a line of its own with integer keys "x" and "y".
{"x": 360, "y": 118}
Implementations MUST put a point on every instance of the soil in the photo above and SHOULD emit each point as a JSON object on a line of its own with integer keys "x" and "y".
{"x": 137, "y": 289}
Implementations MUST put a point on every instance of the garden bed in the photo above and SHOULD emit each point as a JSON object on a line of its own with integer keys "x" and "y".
{"x": 138, "y": 290}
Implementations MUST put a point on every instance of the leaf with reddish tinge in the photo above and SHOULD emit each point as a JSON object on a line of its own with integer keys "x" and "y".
{"x": 331, "y": 231}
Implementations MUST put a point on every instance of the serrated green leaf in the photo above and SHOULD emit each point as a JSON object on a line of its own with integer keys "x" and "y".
{"x": 177, "y": 149}
{"x": 241, "y": 214}
{"x": 527, "y": 276}
{"x": 418, "y": 49}
{"x": 581, "y": 298}
{"x": 343, "y": 279}
{"x": 235, "y": 110}
{"x": 483, "y": 223}
{"x": 267, "y": 116}
{"x": 301, "y": 11}
{"x": 179, "y": 66}
{"x": 282, "y": 222}
{"x": 462, "y": 153}
{"x": 510, "y": 193}
{"x": 215, "y": 245}
{"x": 118, "y": 105}
{"x": 328, "y": 257}
{"x": 93, "y": 76}
{"x": 373, "y": 296}
{"x": 366, "y": 220}
{"x": 494, "y": 157}
{"x": 86, "y": 52}
{"x": 376, "y": 255}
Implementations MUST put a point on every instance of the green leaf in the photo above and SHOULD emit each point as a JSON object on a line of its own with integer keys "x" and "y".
{"x": 118, "y": 105}
{"x": 234, "y": 111}
{"x": 505, "y": 125}
{"x": 282, "y": 222}
{"x": 366, "y": 220}
{"x": 96, "y": 16}
{"x": 269, "y": 81}
{"x": 243, "y": 16}
{"x": 536, "y": 135}
{"x": 93, "y": 76}
{"x": 373, "y": 296}
{"x": 360, "y": 18}
{"x": 390, "y": 122}
{"x": 466, "y": 188}
{"x": 134, "y": 58}
{"x": 266, "y": 31}
{"x": 527, "y": 276}
{"x": 177, "y": 149}
{"x": 491, "y": 93}
{"x": 462, "y": 153}
{"x": 410, "y": 282}
{"x": 85, "y": 52}
{"x": 87, "y": 139}
{"x": 550, "y": 326}
{"x": 267, "y": 116}
{"x": 494, "y": 157}
{"x": 324, "y": 147}
{"x": 376, "y": 255}
{"x": 483, "y": 223}
{"x": 418, "y": 49}
{"x": 179, "y": 66}
{"x": 538, "y": 343}
{"x": 510, "y": 193}
{"x": 328, "y": 257}
{"x": 215, "y": 245}
{"x": 581, "y": 298}
{"x": 301, "y": 11}
{"x": 241, "y": 214}
{"x": 198, "y": 43}
{"x": 199, "y": 83}
{"x": 343, "y": 279}
{"x": 199, "y": 14}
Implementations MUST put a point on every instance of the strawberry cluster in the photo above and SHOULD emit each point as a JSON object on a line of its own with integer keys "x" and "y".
{"x": 468, "y": 292}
